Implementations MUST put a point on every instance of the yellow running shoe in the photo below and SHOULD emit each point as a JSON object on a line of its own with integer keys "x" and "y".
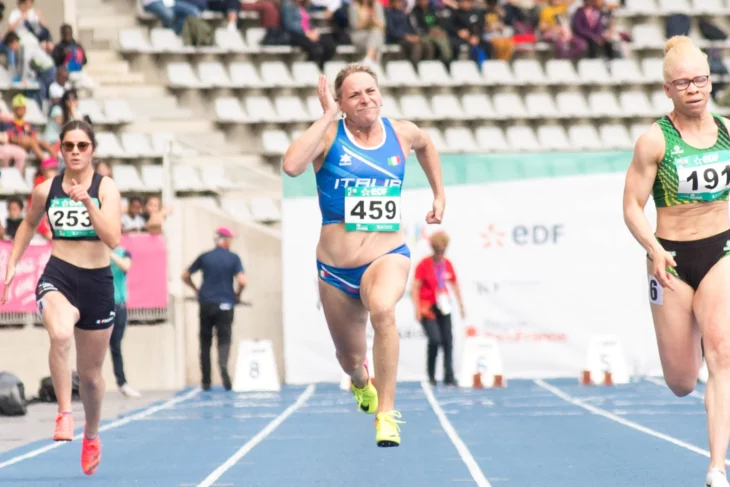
{"x": 367, "y": 397}
{"x": 387, "y": 431}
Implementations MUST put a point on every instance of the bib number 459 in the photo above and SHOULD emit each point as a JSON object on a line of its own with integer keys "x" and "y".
{"x": 372, "y": 209}
{"x": 377, "y": 210}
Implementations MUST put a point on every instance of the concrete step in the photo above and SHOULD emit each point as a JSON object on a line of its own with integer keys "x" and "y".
{"x": 102, "y": 23}
{"x": 118, "y": 78}
{"x": 103, "y": 68}
{"x": 99, "y": 56}
{"x": 129, "y": 91}
{"x": 193, "y": 128}
{"x": 154, "y": 104}
{"x": 159, "y": 108}
{"x": 97, "y": 10}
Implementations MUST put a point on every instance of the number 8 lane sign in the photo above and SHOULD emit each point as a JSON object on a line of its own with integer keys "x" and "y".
{"x": 372, "y": 209}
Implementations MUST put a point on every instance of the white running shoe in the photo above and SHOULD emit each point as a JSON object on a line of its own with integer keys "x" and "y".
{"x": 716, "y": 478}
{"x": 128, "y": 391}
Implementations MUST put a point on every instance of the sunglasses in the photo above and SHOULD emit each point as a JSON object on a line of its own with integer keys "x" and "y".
{"x": 69, "y": 146}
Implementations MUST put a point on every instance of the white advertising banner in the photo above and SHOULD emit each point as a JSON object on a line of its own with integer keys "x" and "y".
{"x": 544, "y": 264}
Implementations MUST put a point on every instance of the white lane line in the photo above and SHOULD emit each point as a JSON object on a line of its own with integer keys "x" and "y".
{"x": 114, "y": 424}
{"x": 625, "y": 422}
{"x": 464, "y": 453}
{"x": 261, "y": 436}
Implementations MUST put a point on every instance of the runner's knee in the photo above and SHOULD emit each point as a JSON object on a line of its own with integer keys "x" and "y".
{"x": 382, "y": 316}
{"x": 91, "y": 378}
{"x": 682, "y": 386}
{"x": 61, "y": 336}
{"x": 350, "y": 362}
{"x": 717, "y": 348}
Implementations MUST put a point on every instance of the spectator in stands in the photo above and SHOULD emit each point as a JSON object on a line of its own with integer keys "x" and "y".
{"x": 70, "y": 106}
{"x": 269, "y": 19}
{"x": 367, "y": 28}
{"x": 104, "y": 169}
{"x": 620, "y": 39}
{"x": 154, "y": 214}
{"x": 522, "y": 15}
{"x": 217, "y": 298}
{"x": 14, "y": 218}
{"x": 10, "y": 154}
{"x": 555, "y": 28}
{"x": 172, "y": 13}
{"x": 69, "y": 53}
{"x": 466, "y": 29}
{"x": 59, "y": 87}
{"x": 588, "y": 26}
{"x": 32, "y": 62}
{"x": 295, "y": 20}
{"x": 399, "y": 30}
{"x": 25, "y": 134}
{"x": 26, "y": 21}
{"x": 52, "y": 130}
{"x": 427, "y": 25}
{"x": 494, "y": 32}
{"x": 132, "y": 220}
{"x": 121, "y": 262}
{"x": 230, "y": 8}
{"x": 335, "y": 12}
{"x": 432, "y": 301}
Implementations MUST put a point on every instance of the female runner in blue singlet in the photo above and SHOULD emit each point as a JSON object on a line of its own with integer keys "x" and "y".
{"x": 362, "y": 259}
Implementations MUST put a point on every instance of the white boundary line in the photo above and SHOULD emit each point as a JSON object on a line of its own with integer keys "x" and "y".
{"x": 260, "y": 436}
{"x": 115, "y": 424}
{"x": 625, "y": 422}
{"x": 464, "y": 453}
{"x": 660, "y": 383}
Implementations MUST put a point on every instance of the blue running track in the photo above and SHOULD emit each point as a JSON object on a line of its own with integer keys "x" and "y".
{"x": 552, "y": 433}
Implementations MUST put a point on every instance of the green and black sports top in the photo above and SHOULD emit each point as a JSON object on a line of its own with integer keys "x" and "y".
{"x": 690, "y": 175}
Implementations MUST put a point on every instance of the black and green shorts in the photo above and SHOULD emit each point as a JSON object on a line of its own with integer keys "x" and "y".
{"x": 695, "y": 258}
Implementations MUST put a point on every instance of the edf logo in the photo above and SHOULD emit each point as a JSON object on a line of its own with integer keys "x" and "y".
{"x": 523, "y": 235}
{"x": 537, "y": 234}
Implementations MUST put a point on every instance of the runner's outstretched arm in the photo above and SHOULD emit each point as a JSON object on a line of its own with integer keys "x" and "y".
{"x": 639, "y": 180}
{"x": 428, "y": 158}
{"x": 310, "y": 145}
{"x": 25, "y": 233}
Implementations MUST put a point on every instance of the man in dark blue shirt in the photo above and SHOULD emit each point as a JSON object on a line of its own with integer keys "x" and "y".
{"x": 217, "y": 298}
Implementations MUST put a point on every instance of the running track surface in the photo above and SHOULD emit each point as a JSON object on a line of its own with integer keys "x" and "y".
{"x": 552, "y": 433}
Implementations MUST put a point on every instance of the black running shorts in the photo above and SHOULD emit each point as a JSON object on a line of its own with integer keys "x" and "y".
{"x": 695, "y": 258}
{"x": 91, "y": 291}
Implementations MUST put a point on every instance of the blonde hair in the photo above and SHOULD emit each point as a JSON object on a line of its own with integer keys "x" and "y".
{"x": 347, "y": 71}
{"x": 439, "y": 240}
{"x": 678, "y": 48}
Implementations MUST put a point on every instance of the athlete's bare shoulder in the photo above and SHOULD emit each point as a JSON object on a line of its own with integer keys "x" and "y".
{"x": 327, "y": 141}
{"x": 650, "y": 146}
{"x": 404, "y": 127}
{"x": 409, "y": 134}
{"x": 42, "y": 190}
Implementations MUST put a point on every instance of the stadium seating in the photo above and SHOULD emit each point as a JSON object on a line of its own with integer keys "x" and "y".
{"x": 248, "y": 100}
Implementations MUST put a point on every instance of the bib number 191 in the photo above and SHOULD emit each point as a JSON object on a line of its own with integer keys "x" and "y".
{"x": 372, "y": 209}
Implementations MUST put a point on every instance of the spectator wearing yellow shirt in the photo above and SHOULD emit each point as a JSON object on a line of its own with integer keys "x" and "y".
{"x": 494, "y": 17}
{"x": 555, "y": 27}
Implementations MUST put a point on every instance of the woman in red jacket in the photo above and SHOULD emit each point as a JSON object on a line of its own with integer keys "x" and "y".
{"x": 432, "y": 301}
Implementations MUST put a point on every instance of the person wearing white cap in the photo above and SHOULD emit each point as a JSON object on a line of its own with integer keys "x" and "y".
{"x": 217, "y": 298}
